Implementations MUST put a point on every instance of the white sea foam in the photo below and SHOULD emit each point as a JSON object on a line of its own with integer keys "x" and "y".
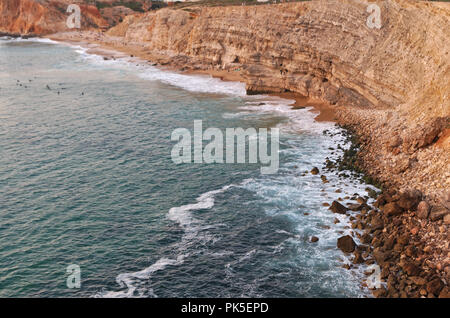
{"x": 6, "y": 39}
{"x": 128, "y": 280}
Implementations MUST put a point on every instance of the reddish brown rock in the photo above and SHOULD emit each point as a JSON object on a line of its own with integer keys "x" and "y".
{"x": 411, "y": 269}
{"x": 391, "y": 209}
{"x": 438, "y": 213}
{"x": 346, "y": 244}
{"x": 366, "y": 238}
{"x": 445, "y": 292}
{"x": 377, "y": 223}
{"x": 336, "y": 207}
{"x": 358, "y": 259}
{"x": 408, "y": 200}
{"x": 380, "y": 256}
{"x": 447, "y": 219}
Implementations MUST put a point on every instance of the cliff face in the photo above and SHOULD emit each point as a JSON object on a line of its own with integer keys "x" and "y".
{"x": 24, "y": 17}
{"x": 319, "y": 48}
{"x": 396, "y": 77}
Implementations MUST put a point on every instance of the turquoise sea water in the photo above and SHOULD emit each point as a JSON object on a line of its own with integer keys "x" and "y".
{"x": 86, "y": 178}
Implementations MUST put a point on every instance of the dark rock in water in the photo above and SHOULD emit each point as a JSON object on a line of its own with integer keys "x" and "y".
{"x": 380, "y": 256}
{"x": 423, "y": 210}
{"x": 391, "y": 209}
{"x": 315, "y": 170}
{"x": 346, "y": 244}
{"x": 314, "y": 239}
{"x": 447, "y": 219}
{"x": 336, "y": 207}
{"x": 361, "y": 200}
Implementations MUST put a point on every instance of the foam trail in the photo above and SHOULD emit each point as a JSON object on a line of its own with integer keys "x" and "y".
{"x": 191, "y": 227}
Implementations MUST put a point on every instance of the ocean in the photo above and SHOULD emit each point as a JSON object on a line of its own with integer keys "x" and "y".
{"x": 86, "y": 179}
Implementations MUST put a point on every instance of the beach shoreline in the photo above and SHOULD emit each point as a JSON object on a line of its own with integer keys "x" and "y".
{"x": 352, "y": 118}
{"x": 109, "y": 49}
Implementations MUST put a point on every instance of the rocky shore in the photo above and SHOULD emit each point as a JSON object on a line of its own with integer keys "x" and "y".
{"x": 388, "y": 87}
{"x": 401, "y": 232}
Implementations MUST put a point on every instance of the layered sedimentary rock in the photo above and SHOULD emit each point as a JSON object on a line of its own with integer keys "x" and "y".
{"x": 24, "y": 17}
{"x": 320, "y": 48}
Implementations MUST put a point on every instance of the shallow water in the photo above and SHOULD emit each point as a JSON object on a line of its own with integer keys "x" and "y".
{"x": 86, "y": 178}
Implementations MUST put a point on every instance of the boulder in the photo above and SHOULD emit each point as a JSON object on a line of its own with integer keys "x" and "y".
{"x": 366, "y": 238}
{"x": 447, "y": 219}
{"x": 392, "y": 209}
{"x": 346, "y": 244}
{"x": 314, "y": 239}
{"x": 315, "y": 170}
{"x": 438, "y": 213}
{"x": 336, "y": 207}
{"x": 409, "y": 199}
{"x": 423, "y": 210}
{"x": 358, "y": 258}
{"x": 420, "y": 281}
{"x": 357, "y": 206}
{"x": 445, "y": 292}
{"x": 380, "y": 256}
{"x": 410, "y": 268}
{"x": 435, "y": 286}
{"x": 380, "y": 201}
